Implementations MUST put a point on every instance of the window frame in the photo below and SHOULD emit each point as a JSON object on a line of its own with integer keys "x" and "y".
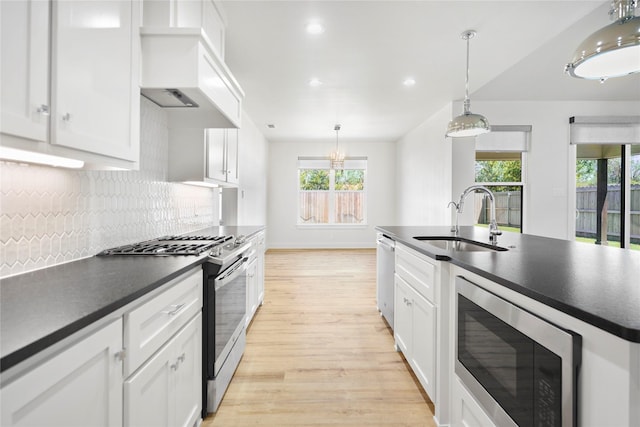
{"x": 323, "y": 163}
{"x": 522, "y": 183}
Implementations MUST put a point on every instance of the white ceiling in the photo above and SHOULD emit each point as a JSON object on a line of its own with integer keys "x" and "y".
{"x": 370, "y": 47}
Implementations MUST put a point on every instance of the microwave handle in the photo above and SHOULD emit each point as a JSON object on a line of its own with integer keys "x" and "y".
{"x": 229, "y": 275}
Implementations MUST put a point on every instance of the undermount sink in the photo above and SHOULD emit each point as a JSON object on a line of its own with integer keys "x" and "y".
{"x": 452, "y": 243}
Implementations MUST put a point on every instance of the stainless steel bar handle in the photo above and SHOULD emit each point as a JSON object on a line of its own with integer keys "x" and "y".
{"x": 385, "y": 246}
{"x": 175, "y": 309}
{"x": 233, "y": 272}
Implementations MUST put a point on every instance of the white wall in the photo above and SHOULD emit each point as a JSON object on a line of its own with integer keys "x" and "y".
{"x": 424, "y": 172}
{"x": 283, "y": 231}
{"x": 252, "y": 191}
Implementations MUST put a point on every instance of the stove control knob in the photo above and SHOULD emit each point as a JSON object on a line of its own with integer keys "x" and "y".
{"x": 240, "y": 239}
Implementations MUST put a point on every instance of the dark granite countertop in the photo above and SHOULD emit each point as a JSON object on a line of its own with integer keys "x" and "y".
{"x": 597, "y": 284}
{"x": 42, "y": 307}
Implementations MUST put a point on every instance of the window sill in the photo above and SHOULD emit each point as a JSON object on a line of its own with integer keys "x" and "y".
{"x": 332, "y": 226}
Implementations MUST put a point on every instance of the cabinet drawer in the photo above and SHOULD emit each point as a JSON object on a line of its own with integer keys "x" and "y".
{"x": 417, "y": 271}
{"x": 149, "y": 326}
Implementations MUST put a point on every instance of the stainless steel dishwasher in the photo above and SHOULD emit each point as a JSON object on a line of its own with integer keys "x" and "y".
{"x": 385, "y": 254}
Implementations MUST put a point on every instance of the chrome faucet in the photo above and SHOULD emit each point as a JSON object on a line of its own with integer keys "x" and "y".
{"x": 493, "y": 225}
{"x": 454, "y": 227}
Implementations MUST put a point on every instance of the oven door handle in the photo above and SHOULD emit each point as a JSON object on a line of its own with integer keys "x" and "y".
{"x": 231, "y": 273}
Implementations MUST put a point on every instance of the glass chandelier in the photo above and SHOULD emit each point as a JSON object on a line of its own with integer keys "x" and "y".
{"x": 337, "y": 158}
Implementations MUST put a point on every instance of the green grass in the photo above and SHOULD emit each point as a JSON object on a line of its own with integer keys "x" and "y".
{"x": 634, "y": 246}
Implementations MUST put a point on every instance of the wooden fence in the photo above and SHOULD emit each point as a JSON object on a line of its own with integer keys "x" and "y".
{"x": 315, "y": 206}
{"x": 586, "y": 216}
{"x": 508, "y": 208}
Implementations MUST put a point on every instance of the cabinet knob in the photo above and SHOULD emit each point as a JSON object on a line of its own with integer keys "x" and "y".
{"x": 174, "y": 366}
{"x": 121, "y": 355}
{"x": 66, "y": 117}
{"x": 181, "y": 358}
{"x": 43, "y": 109}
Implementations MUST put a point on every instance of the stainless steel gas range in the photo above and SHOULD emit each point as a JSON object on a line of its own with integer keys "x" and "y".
{"x": 224, "y": 307}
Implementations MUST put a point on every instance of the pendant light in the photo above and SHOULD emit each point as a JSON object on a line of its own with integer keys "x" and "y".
{"x": 612, "y": 51}
{"x": 468, "y": 124}
{"x": 336, "y": 157}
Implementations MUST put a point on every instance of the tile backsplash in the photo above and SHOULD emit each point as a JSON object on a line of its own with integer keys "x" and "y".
{"x": 53, "y": 215}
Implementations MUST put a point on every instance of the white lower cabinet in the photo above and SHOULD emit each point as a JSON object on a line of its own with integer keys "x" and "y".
{"x": 466, "y": 411}
{"x": 167, "y": 389}
{"x": 416, "y": 292}
{"x": 81, "y": 386}
{"x": 415, "y": 333}
{"x": 255, "y": 277}
{"x": 252, "y": 291}
{"x": 164, "y": 360}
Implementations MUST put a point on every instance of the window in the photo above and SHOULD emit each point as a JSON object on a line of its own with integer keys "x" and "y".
{"x": 331, "y": 197}
{"x": 601, "y": 192}
{"x": 607, "y": 180}
{"x": 499, "y": 166}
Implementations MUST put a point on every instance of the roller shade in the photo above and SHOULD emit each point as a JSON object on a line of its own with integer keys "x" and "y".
{"x": 324, "y": 163}
{"x": 505, "y": 139}
{"x": 607, "y": 130}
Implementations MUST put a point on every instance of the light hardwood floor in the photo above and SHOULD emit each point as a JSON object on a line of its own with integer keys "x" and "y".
{"x": 318, "y": 352}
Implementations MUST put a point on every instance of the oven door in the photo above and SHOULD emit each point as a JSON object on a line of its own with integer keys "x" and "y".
{"x": 521, "y": 368}
{"x": 230, "y": 305}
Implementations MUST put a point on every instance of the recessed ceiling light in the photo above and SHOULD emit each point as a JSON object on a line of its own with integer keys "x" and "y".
{"x": 409, "y": 81}
{"x": 315, "y": 28}
{"x": 314, "y": 82}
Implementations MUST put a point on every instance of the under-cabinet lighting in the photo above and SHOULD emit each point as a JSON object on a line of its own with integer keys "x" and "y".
{"x": 22, "y": 156}
{"x": 201, "y": 184}
{"x": 314, "y": 82}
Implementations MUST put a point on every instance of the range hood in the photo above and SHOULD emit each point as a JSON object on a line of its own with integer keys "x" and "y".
{"x": 169, "y": 98}
{"x": 182, "y": 73}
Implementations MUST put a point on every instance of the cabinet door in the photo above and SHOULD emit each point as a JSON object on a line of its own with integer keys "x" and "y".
{"x": 95, "y": 90}
{"x": 260, "y": 267}
{"x": 252, "y": 291}
{"x": 216, "y": 155}
{"x": 25, "y": 68}
{"x": 147, "y": 400}
{"x": 232, "y": 156}
{"x": 402, "y": 318}
{"x": 149, "y": 326}
{"x": 80, "y": 386}
{"x": 188, "y": 374}
{"x": 167, "y": 389}
{"x": 423, "y": 354}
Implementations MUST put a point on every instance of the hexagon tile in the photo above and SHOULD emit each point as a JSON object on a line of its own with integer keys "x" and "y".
{"x": 51, "y": 215}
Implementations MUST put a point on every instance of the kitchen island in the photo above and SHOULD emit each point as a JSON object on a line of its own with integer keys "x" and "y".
{"x": 590, "y": 290}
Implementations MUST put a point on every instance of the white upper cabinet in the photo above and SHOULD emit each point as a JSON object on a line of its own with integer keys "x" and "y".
{"x": 25, "y": 69}
{"x": 70, "y": 80}
{"x": 205, "y": 14}
{"x": 95, "y": 77}
{"x": 183, "y": 66}
{"x": 204, "y": 156}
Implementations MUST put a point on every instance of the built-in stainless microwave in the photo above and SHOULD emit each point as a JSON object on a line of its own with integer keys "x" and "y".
{"x": 522, "y": 369}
